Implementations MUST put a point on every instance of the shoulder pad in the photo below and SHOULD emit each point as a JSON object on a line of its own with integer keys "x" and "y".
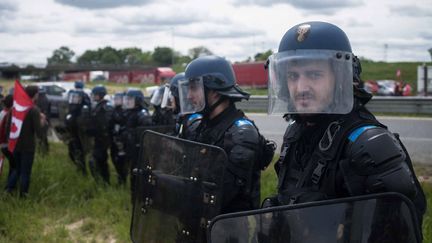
{"x": 244, "y": 131}
{"x": 372, "y": 146}
{"x": 193, "y": 118}
{"x": 243, "y": 122}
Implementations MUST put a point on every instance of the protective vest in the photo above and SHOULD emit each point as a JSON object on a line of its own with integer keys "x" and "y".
{"x": 317, "y": 177}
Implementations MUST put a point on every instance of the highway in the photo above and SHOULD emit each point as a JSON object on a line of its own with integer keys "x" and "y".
{"x": 415, "y": 133}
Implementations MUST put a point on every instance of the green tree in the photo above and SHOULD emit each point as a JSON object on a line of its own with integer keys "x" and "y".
{"x": 199, "y": 51}
{"x": 263, "y": 56}
{"x": 109, "y": 55}
{"x": 163, "y": 56}
{"x": 89, "y": 57}
{"x": 134, "y": 56}
{"x": 63, "y": 55}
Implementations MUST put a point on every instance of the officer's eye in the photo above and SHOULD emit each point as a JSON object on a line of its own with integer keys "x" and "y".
{"x": 292, "y": 76}
{"x": 314, "y": 75}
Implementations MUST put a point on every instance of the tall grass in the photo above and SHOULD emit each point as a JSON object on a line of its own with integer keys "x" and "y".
{"x": 64, "y": 206}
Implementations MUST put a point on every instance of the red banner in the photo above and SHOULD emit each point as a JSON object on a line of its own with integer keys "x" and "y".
{"x": 21, "y": 105}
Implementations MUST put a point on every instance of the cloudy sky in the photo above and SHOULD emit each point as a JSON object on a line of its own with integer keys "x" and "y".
{"x": 380, "y": 30}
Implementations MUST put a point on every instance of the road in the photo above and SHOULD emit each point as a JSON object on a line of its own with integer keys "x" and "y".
{"x": 415, "y": 133}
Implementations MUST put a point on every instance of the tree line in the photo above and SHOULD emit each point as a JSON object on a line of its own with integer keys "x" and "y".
{"x": 160, "y": 56}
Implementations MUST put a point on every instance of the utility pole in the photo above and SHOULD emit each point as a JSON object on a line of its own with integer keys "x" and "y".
{"x": 425, "y": 78}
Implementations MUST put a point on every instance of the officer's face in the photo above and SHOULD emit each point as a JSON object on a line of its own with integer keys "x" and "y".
{"x": 311, "y": 86}
{"x": 196, "y": 94}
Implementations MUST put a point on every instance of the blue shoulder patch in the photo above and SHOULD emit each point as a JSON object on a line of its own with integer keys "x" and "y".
{"x": 356, "y": 133}
{"x": 194, "y": 117}
{"x": 242, "y": 122}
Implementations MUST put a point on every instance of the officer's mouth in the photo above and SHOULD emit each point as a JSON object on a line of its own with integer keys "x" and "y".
{"x": 305, "y": 100}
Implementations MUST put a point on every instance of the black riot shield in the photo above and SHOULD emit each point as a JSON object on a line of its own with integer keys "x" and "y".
{"x": 165, "y": 129}
{"x": 178, "y": 189}
{"x": 378, "y": 218}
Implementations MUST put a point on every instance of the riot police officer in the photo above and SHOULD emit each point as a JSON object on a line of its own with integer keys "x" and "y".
{"x": 185, "y": 124}
{"x": 137, "y": 115}
{"x": 161, "y": 115}
{"x": 117, "y": 128}
{"x": 210, "y": 89}
{"x": 99, "y": 129}
{"x": 333, "y": 146}
{"x": 78, "y": 111}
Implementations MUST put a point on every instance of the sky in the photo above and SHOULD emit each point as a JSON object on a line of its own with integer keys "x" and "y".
{"x": 381, "y": 30}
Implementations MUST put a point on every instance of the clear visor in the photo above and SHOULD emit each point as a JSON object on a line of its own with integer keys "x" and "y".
{"x": 128, "y": 102}
{"x": 156, "y": 98}
{"x": 167, "y": 98}
{"x": 118, "y": 100}
{"x": 310, "y": 82}
{"x": 75, "y": 98}
{"x": 191, "y": 95}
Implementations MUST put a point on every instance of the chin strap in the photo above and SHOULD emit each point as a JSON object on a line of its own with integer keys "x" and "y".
{"x": 209, "y": 108}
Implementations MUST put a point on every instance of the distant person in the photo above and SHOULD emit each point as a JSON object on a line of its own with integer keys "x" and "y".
{"x": 45, "y": 106}
{"x": 398, "y": 88}
{"x": 407, "y": 90}
{"x": 25, "y": 147}
{"x": 99, "y": 129}
{"x": 7, "y": 103}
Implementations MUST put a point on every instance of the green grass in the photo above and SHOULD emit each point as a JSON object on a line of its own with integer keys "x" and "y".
{"x": 64, "y": 206}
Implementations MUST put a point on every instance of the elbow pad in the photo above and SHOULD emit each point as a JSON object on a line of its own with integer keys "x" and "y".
{"x": 375, "y": 162}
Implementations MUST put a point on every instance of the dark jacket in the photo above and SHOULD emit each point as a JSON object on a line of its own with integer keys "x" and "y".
{"x": 31, "y": 128}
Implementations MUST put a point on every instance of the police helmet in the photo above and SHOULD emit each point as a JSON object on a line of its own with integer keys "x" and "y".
{"x": 79, "y": 84}
{"x": 133, "y": 98}
{"x": 118, "y": 98}
{"x": 312, "y": 72}
{"x": 208, "y": 73}
{"x": 174, "y": 83}
{"x": 99, "y": 90}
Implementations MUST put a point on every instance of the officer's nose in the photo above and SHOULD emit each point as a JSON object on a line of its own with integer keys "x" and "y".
{"x": 303, "y": 84}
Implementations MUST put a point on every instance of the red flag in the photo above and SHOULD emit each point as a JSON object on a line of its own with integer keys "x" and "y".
{"x": 21, "y": 105}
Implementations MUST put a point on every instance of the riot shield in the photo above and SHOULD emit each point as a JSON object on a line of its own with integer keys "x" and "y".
{"x": 165, "y": 129}
{"x": 378, "y": 218}
{"x": 178, "y": 189}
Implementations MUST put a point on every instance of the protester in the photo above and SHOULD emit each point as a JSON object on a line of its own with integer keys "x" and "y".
{"x": 23, "y": 135}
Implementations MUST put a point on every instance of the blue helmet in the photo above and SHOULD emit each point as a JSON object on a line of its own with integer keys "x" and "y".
{"x": 99, "y": 90}
{"x": 217, "y": 74}
{"x": 79, "y": 84}
{"x": 137, "y": 96}
{"x": 313, "y": 71}
{"x": 174, "y": 84}
{"x": 315, "y": 36}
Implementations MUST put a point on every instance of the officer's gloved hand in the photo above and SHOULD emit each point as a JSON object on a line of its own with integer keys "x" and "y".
{"x": 270, "y": 202}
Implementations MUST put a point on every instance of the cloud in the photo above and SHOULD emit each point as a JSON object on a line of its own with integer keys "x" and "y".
{"x": 216, "y": 31}
{"x": 411, "y": 11}
{"x": 102, "y": 4}
{"x": 7, "y": 7}
{"x": 426, "y": 35}
{"x": 317, "y": 6}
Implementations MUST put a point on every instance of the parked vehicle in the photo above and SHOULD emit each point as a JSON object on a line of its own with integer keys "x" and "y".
{"x": 57, "y": 94}
{"x": 386, "y": 87}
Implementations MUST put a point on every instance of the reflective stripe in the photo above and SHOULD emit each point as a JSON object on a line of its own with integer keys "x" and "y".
{"x": 194, "y": 116}
{"x": 356, "y": 133}
{"x": 242, "y": 122}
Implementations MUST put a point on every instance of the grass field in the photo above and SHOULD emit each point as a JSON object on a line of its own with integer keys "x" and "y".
{"x": 64, "y": 206}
